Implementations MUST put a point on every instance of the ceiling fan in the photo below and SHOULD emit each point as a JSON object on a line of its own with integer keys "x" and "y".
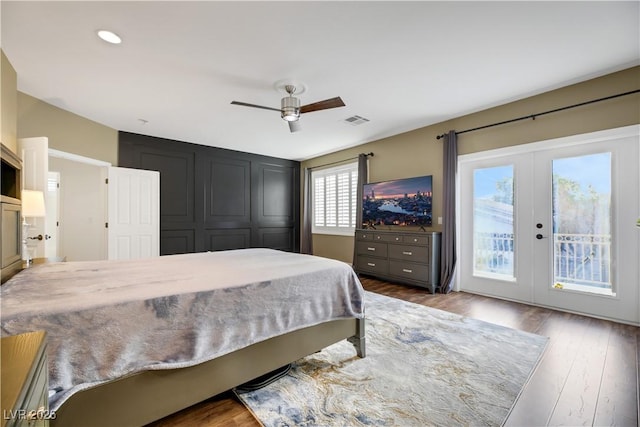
{"x": 290, "y": 108}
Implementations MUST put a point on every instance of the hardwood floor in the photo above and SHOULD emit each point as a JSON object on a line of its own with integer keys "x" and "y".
{"x": 587, "y": 376}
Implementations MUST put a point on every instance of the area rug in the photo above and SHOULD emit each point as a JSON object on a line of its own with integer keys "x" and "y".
{"x": 424, "y": 367}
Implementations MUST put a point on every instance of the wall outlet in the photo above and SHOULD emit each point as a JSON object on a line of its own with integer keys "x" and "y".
{"x": 439, "y": 220}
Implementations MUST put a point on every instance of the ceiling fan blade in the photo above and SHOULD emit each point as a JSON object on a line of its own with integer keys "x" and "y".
{"x": 294, "y": 126}
{"x": 322, "y": 105}
{"x": 244, "y": 104}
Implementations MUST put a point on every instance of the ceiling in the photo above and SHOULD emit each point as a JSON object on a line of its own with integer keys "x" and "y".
{"x": 401, "y": 65}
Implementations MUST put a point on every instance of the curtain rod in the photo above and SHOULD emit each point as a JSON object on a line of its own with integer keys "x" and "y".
{"x": 533, "y": 116}
{"x": 341, "y": 161}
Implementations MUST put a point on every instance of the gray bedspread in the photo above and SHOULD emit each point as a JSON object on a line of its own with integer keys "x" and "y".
{"x": 107, "y": 319}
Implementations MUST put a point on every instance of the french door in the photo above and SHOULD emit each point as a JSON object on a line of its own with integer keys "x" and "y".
{"x": 553, "y": 224}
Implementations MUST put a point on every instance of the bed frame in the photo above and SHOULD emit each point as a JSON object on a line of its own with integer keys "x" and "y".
{"x": 141, "y": 398}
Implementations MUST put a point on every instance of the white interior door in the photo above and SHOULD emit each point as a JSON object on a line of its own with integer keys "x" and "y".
{"x": 134, "y": 213}
{"x": 553, "y": 223}
{"x": 35, "y": 168}
{"x": 52, "y": 201}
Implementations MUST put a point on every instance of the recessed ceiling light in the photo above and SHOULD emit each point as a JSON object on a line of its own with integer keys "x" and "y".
{"x": 109, "y": 36}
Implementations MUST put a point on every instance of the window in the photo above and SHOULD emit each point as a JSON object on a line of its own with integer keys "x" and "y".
{"x": 335, "y": 199}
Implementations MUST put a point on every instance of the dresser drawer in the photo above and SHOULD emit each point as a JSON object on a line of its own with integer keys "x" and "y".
{"x": 373, "y": 236}
{"x": 416, "y": 240}
{"x": 409, "y": 270}
{"x": 371, "y": 248}
{"x": 394, "y": 238}
{"x": 364, "y": 235}
{"x": 409, "y": 253}
{"x": 372, "y": 265}
{"x": 385, "y": 237}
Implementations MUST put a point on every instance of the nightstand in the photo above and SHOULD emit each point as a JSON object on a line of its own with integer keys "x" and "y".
{"x": 24, "y": 373}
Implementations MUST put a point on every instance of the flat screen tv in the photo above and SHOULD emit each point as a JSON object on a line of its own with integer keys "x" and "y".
{"x": 402, "y": 202}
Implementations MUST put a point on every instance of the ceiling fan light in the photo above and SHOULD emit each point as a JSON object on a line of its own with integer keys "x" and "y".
{"x": 290, "y": 108}
{"x": 290, "y": 116}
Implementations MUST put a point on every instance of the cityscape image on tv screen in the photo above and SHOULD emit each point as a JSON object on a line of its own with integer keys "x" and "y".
{"x": 401, "y": 202}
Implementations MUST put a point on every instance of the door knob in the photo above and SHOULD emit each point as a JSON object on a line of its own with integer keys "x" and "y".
{"x": 539, "y": 236}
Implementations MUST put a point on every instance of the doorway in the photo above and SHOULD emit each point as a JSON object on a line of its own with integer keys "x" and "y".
{"x": 82, "y": 206}
{"x": 52, "y": 201}
{"x": 553, "y": 223}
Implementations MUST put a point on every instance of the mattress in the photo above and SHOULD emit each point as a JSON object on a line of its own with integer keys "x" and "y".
{"x": 109, "y": 319}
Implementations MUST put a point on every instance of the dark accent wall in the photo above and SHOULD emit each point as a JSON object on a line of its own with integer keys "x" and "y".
{"x": 216, "y": 199}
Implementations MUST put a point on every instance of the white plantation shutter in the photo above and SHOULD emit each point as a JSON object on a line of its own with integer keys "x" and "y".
{"x": 330, "y": 193}
{"x": 334, "y": 199}
{"x": 343, "y": 198}
{"x": 318, "y": 201}
{"x": 354, "y": 192}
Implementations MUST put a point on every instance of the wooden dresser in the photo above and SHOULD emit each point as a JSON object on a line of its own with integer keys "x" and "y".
{"x": 406, "y": 257}
{"x": 10, "y": 214}
{"x": 25, "y": 376}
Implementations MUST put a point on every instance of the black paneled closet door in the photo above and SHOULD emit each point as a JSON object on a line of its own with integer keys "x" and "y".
{"x": 215, "y": 199}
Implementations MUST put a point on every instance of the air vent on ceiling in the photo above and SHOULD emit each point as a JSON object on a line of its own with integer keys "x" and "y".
{"x": 356, "y": 120}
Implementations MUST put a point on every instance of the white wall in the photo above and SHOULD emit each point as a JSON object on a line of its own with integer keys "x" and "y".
{"x": 83, "y": 210}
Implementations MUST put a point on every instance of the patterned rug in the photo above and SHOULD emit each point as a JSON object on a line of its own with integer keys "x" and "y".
{"x": 424, "y": 367}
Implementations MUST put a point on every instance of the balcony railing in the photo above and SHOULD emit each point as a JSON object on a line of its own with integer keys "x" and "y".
{"x": 494, "y": 253}
{"x": 583, "y": 259}
{"x": 579, "y": 259}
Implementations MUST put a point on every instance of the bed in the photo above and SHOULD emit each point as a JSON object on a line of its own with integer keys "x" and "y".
{"x": 132, "y": 341}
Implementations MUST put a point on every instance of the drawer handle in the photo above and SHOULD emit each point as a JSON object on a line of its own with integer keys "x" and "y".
{"x": 406, "y": 270}
{"x": 371, "y": 249}
{"x": 415, "y": 240}
{"x": 407, "y": 253}
{"x": 397, "y": 238}
{"x": 378, "y": 237}
{"x": 371, "y": 264}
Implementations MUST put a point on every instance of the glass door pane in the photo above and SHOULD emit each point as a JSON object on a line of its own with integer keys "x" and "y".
{"x": 494, "y": 240}
{"x": 493, "y": 232}
{"x": 581, "y": 204}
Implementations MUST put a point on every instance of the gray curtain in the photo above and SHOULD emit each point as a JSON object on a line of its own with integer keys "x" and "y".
{"x": 306, "y": 240}
{"x": 448, "y": 243}
{"x": 363, "y": 173}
